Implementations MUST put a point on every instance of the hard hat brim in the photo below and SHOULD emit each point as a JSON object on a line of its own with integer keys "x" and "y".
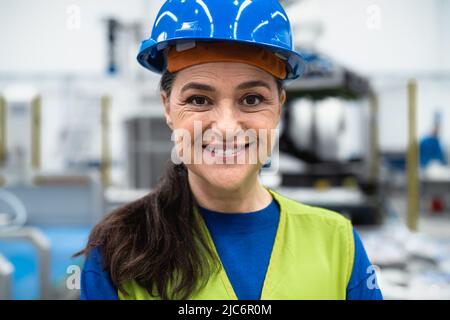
{"x": 152, "y": 54}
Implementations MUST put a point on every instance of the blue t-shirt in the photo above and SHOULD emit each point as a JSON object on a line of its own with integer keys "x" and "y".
{"x": 244, "y": 243}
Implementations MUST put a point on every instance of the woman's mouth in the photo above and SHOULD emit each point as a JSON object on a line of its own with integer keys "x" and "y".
{"x": 225, "y": 151}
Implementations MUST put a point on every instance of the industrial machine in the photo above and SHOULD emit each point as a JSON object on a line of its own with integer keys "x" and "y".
{"x": 44, "y": 217}
{"x": 149, "y": 147}
{"x": 20, "y": 112}
{"x": 328, "y": 143}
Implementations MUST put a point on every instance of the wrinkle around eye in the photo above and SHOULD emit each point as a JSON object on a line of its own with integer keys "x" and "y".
{"x": 185, "y": 110}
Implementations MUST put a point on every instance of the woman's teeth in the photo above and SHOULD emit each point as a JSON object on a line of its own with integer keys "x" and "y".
{"x": 219, "y": 151}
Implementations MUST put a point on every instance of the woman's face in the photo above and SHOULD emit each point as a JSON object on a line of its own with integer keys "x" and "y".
{"x": 223, "y": 115}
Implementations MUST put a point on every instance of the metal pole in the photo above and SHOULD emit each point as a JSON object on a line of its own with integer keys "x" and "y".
{"x": 413, "y": 158}
{"x": 6, "y": 272}
{"x": 2, "y": 130}
{"x": 374, "y": 143}
{"x": 36, "y": 133}
{"x": 42, "y": 244}
{"x": 105, "y": 166}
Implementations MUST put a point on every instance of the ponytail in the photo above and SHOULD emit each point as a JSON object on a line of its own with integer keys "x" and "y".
{"x": 155, "y": 238}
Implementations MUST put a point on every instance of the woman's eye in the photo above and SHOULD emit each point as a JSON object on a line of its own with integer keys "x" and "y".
{"x": 198, "y": 101}
{"x": 252, "y": 100}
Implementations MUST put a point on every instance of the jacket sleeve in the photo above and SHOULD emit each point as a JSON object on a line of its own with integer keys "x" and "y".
{"x": 363, "y": 284}
{"x": 96, "y": 283}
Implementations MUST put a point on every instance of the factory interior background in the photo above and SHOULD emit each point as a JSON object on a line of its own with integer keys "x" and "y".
{"x": 82, "y": 132}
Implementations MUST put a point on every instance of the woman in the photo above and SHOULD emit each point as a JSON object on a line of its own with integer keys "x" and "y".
{"x": 210, "y": 230}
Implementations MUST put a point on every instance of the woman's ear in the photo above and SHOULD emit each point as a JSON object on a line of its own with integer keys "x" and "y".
{"x": 166, "y": 104}
{"x": 282, "y": 100}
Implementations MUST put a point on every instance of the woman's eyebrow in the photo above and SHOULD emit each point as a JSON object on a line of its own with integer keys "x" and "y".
{"x": 252, "y": 84}
{"x": 197, "y": 86}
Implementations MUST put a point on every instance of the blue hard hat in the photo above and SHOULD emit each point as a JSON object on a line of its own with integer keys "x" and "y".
{"x": 259, "y": 22}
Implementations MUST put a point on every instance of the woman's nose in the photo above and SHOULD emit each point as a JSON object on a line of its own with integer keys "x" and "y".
{"x": 227, "y": 120}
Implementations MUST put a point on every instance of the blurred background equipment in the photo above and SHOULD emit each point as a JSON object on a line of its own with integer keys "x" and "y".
{"x": 431, "y": 146}
{"x": 17, "y": 216}
{"x": 327, "y": 144}
{"x": 6, "y": 271}
{"x": 13, "y": 216}
{"x": 149, "y": 147}
{"x": 435, "y": 175}
{"x": 21, "y": 112}
{"x": 46, "y": 215}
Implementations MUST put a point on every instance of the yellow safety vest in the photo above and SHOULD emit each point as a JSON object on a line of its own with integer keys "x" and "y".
{"x": 312, "y": 258}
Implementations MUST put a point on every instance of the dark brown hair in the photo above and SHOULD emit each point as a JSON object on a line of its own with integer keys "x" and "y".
{"x": 156, "y": 240}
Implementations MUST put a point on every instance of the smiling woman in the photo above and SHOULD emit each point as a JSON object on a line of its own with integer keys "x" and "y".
{"x": 210, "y": 229}
{"x": 223, "y": 98}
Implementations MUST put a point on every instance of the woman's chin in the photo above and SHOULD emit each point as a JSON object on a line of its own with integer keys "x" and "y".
{"x": 226, "y": 176}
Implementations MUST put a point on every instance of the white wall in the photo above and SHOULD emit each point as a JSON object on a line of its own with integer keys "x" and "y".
{"x": 43, "y": 36}
{"x": 408, "y": 39}
{"x": 444, "y": 29}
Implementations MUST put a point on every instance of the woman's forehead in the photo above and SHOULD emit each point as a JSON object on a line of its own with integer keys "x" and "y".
{"x": 231, "y": 72}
